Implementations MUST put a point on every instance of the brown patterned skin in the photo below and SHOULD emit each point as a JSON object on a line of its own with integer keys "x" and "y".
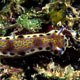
{"x": 29, "y": 44}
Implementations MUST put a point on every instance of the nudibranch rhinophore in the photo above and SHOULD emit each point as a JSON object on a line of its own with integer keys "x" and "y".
{"x": 23, "y": 45}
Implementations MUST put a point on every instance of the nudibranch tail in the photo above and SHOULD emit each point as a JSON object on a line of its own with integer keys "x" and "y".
{"x": 24, "y": 45}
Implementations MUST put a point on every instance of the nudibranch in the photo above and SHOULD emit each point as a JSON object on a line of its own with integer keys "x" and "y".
{"x": 23, "y": 45}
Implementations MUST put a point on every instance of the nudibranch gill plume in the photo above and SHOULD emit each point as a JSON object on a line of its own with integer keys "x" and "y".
{"x": 23, "y": 45}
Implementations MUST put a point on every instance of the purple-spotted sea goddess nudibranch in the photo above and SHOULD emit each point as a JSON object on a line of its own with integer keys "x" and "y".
{"x": 23, "y": 45}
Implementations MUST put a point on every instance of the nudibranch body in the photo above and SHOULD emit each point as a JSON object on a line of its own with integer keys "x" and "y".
{"x": 23, "y": 45}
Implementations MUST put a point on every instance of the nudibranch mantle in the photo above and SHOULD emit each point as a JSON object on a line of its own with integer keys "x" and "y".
{"x": 23, "y": 45}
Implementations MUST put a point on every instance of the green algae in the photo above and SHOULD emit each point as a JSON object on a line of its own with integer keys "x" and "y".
{"x": 58, "y": 14}
{"x": 28, "y": 23}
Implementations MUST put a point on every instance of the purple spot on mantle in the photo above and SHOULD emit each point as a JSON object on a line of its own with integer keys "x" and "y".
{"x": 27, "y": 39}
{"x": 40, "y": 45}
{"x": 4, "y": 41}
{"x": 25, "y": 48}
{"x": 16, "y": 40}
{"x": 0, "y": 46}
{"x": 34, "y": 38}
{"x": 19, "y": 43}
{"x": 52, "y": 46}
{"x": 44, "y": 45}
{"x": 30, "y": 40}
{"x": 40, "y": 37}
{"x": 11, "y": 40}
{"x": 29, "y": 43}
{"x": 45, "y": 41}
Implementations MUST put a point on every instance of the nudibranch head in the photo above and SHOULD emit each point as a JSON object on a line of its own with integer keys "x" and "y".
{"x": 58, "y": 42}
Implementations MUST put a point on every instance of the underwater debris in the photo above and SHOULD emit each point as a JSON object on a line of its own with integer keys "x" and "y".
{"x": 60, "y": 11}
{"x": 55, "y": 71}
{"x": 7, "y": 72}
